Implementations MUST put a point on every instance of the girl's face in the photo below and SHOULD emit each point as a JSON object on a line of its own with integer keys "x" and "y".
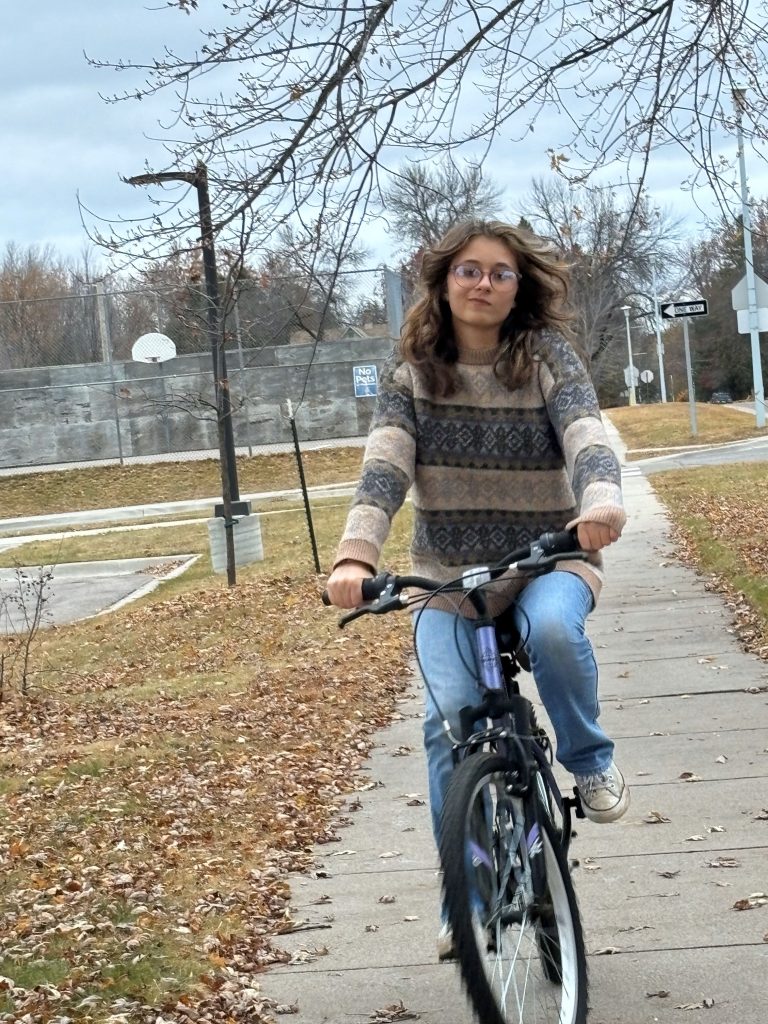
{"x": 482, "y": 283}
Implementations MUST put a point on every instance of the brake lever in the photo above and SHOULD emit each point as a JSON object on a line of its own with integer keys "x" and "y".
{"x": 351, "y": 616}
{"x": 538, "y": 560}
{"x": 388, "y": 602}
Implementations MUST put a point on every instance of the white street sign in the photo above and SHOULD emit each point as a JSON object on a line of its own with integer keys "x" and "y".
{"x": 646, "y": 376}
{"x": 740, "y": 300}
{"x": 742, "y": 319}
{"x": 631, "y": 376}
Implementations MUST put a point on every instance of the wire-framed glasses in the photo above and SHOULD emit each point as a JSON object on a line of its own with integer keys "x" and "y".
{"x": 502, "y": 279}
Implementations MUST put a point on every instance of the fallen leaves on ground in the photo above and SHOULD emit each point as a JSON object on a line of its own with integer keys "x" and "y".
{"x": 156, "y": 796}
{"x": 712, "y": 506}
{"x": 394, "y": 1012}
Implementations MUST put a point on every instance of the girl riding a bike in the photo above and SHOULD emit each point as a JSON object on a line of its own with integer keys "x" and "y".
{"x": 487, "y": 413}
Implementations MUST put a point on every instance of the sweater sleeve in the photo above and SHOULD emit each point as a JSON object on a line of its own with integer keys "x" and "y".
{"x": 593, "y": 469}
{"x": 388, "y": 468}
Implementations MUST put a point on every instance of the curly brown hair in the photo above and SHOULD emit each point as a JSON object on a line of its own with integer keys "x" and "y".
{"x": 427, "y": 339}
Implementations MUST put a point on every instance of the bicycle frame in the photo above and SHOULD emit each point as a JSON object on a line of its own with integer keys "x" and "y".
{"x": 510, "y": 734}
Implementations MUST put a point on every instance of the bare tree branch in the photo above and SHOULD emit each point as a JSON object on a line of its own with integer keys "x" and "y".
{"x": 300, "y": 106}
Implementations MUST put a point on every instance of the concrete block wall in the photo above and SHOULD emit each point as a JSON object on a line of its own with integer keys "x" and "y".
{"x": 80, "y": 413}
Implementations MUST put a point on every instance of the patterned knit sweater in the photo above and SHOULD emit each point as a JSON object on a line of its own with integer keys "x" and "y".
{"x": 489, "y": 468}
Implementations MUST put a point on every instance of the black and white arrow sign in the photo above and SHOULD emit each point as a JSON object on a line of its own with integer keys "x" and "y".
{"x": 673, "y": 310}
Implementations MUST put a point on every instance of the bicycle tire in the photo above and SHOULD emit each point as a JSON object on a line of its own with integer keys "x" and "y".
{"x": 517, "y": 962}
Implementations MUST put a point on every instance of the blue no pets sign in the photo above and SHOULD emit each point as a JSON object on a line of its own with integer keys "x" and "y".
{"x": 366, "y": 380}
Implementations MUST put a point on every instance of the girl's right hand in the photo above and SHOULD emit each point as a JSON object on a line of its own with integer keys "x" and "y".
{"x": 344, "y": 586}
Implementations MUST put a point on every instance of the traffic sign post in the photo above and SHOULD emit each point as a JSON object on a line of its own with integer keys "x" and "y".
{"x": 750, "y": 300}
{"x": 683, "y": 311}
{"x": 689, "y": 374}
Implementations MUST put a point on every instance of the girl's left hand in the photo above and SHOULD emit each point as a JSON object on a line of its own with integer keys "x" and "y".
{"x": 594, "y": 536}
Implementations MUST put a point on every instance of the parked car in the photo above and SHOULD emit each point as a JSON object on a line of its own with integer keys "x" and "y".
{"x": 721, "y": 398}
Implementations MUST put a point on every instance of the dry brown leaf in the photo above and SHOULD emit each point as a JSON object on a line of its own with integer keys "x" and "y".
{"x": 394, "y": 1012}
{"x": 656, "y": 818}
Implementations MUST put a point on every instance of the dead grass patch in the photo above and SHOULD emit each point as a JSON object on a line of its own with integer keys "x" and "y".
{"x": 76, "y": 490}
{"x": 644, "y": 428}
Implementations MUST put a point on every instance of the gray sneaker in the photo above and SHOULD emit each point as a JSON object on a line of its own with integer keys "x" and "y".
{"x": 604, "y": 795}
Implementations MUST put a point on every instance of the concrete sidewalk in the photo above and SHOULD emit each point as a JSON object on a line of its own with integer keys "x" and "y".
{"x": 679, "y": 696}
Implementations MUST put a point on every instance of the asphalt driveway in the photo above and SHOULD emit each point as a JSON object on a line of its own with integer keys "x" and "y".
{"x": 79, "y": 590}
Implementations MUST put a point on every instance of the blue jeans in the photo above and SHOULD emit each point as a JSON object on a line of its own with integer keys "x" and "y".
{"x": 550, "y": 615}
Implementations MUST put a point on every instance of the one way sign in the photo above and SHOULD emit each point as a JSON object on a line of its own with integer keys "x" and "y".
{"x": 673, "y": 310}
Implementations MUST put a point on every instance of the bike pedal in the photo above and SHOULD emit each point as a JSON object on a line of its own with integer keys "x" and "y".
{"x": 574, "y": 802}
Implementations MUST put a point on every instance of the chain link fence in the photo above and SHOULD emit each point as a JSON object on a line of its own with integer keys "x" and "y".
{"x": 71, "y": 394}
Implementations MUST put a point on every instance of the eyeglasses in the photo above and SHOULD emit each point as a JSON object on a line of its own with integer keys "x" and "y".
{"x": 467, "y": 275}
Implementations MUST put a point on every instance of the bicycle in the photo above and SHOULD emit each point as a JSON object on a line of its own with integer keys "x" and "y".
{"x": 506, "y": 828}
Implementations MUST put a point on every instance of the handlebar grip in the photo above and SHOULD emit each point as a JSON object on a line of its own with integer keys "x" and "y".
{"x": 560, "y": 542}
{"x": 371, "y": 589}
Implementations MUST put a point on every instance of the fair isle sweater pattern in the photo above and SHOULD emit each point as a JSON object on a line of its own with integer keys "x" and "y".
{"x": 489, "y": 468}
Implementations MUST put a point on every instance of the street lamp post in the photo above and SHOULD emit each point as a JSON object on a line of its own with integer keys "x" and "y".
{"x": 230, "y": 493}
{"x": 631, "y": 371}
{"x": 657, "y": 326}
{"x": 739, "y": 94}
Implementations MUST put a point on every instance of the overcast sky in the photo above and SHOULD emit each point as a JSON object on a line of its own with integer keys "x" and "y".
{"x": 60, "y": 139}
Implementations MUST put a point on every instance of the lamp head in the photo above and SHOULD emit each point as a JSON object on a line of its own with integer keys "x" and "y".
{"x": 739, "y": 93}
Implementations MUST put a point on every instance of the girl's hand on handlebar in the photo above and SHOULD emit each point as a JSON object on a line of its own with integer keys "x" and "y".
{"x": 594, "y": 536}
{"x": 344, "y": 586}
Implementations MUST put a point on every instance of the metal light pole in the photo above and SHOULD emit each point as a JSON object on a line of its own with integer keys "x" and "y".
{"x": 657, "y": 325}
{"x": 739, "y": 94}
{"x": 230, "y": 493}
{"x": 631, "y": 384}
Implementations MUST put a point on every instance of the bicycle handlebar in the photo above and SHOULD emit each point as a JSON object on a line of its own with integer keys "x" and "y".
{"x": 383, "y": 591}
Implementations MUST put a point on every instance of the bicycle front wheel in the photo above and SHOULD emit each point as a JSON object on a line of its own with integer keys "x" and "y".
{"x": 521, "y": 952}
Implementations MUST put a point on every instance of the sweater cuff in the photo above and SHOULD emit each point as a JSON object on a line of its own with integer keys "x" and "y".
{"x": 610, "y": 515}
{"x": 357, "y": 551}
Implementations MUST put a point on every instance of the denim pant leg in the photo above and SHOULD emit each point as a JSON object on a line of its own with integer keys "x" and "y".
{"x": 550, "y": 615}
{"x": 445, "y": 647}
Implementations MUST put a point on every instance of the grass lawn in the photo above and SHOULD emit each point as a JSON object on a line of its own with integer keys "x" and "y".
{"x": 645, "y": 428}
{"x": 75, "y": 490}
